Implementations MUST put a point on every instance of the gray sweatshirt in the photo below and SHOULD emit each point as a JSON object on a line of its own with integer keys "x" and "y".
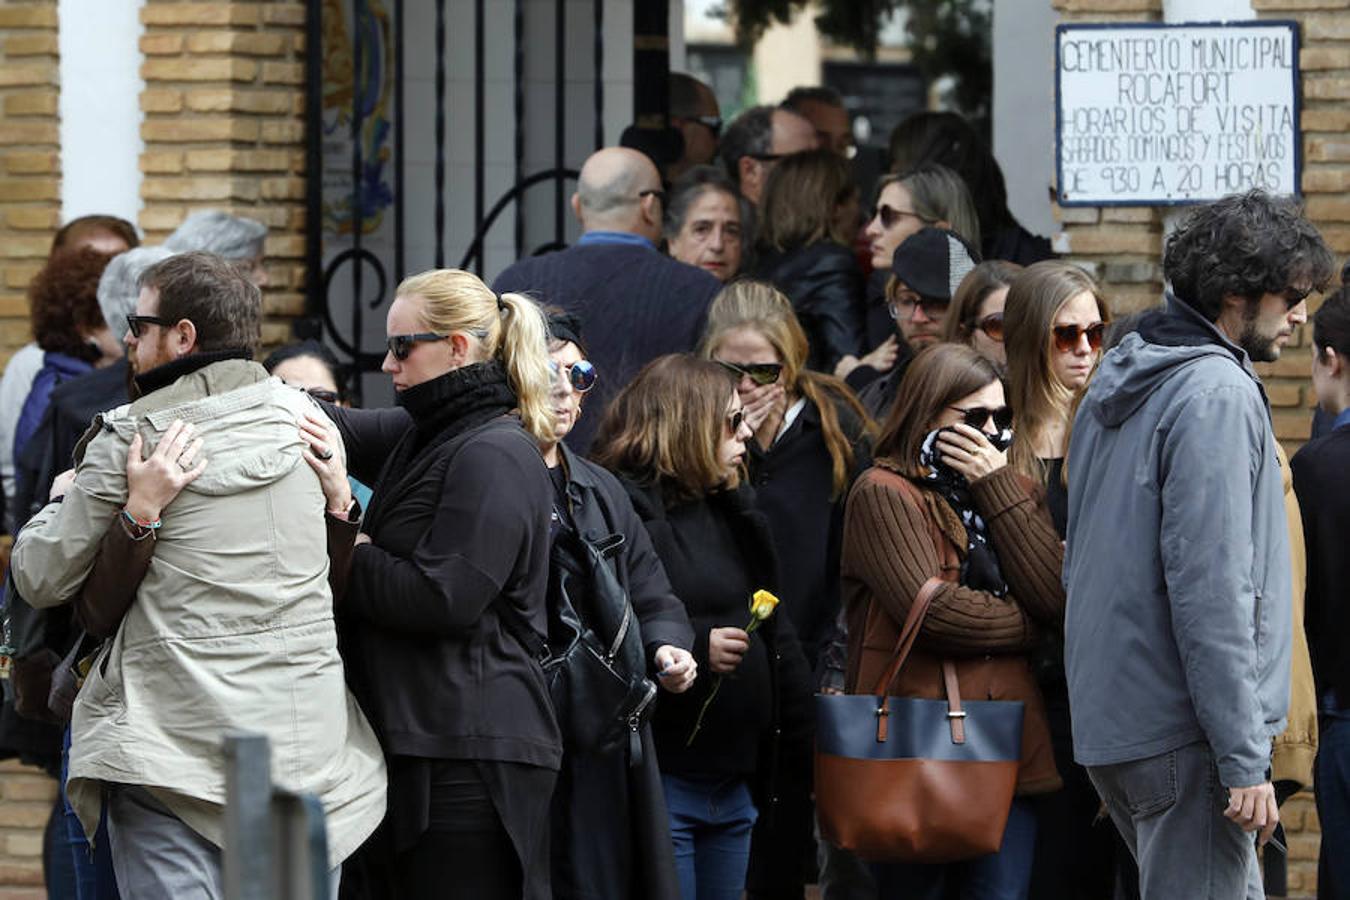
{"x": 1177, "y": 560}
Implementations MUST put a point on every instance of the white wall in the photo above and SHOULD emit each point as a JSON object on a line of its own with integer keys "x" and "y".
{"x": 1024, "y": 107}
{"x": 100, "y": 107}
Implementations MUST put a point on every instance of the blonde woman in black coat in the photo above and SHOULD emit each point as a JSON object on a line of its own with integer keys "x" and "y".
{"x": 457, "y": 533}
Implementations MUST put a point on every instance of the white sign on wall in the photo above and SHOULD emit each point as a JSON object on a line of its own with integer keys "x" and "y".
{"x": 1155, "y": 114}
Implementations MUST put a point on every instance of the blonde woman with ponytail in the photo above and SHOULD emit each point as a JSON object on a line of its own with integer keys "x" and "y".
{"x": 453, "y": 553}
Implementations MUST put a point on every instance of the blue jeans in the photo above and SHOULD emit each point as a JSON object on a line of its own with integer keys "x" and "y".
{"x": 1333, "y": 802}
{"x": 93, "y": 871}
{"x": 1005, "y": 875}
{"x": 710, "y": 824}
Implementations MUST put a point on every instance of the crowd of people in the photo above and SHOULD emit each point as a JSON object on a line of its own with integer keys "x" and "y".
{"x": 556, "y": 624}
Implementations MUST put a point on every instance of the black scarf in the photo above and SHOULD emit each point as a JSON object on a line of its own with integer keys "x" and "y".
{"x": 441, "y": 409}
{"x": 167, "y": 374}
{"x": 980, "y": 568}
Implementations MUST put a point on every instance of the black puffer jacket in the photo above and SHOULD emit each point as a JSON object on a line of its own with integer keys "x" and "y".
{"x": 825, "y": 285}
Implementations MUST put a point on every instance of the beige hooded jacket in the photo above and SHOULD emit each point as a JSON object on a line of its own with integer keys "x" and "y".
{"x": 232, "y": 628}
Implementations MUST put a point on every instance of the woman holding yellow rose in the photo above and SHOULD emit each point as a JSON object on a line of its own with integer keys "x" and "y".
{"x": 676, "y": 437}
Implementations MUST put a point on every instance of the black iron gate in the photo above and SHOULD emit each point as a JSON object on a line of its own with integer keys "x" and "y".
{"x": 354, "y": 106}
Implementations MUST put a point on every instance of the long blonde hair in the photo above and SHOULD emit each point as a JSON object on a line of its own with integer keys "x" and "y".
{"x": 763, "y": 309}
{"x": 511, "y": 328}
{"x": 1037, "y": 396}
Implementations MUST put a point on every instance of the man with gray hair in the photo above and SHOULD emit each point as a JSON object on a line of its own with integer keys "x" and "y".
{"x": 634, "y": 302}
{"x": 757, "y": 139}
{"x": 235, "y": 238}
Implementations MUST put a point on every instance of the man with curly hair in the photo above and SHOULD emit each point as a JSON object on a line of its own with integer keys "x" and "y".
{"x": 1177, "y": 565}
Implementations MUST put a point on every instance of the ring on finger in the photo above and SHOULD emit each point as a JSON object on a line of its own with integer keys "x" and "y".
{"x": 325, "y": 454}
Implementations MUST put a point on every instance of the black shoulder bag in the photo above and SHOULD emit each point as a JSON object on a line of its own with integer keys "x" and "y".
{"x": 593, "y": 657}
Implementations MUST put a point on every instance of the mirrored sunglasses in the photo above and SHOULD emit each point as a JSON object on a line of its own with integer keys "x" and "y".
{"x": 580, "y": 374}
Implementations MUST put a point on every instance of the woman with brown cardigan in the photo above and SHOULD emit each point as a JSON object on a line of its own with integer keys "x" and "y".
{"x": 942, "y": 501}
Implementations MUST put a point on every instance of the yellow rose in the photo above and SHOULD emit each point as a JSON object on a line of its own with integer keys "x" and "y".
{"x": 762, "y": 605}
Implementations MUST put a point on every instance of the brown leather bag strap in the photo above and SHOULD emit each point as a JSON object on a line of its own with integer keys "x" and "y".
{"x": 956, "y": 716}
{"x": 909, "y": 633}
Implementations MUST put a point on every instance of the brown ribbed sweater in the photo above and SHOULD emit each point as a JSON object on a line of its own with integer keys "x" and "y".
{"x": 896, "y": 536}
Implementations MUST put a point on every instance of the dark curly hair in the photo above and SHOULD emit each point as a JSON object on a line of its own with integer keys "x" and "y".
{"x": 63, "y": 302}
{"x": 1245, "y": 245}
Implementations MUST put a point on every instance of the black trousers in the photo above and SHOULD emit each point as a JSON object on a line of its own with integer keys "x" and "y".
{"x": 465, "y": 850}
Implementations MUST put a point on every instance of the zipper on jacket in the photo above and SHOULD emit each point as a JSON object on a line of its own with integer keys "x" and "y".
{"x": 635, "y": 726}
{"x": 620, "y": 634}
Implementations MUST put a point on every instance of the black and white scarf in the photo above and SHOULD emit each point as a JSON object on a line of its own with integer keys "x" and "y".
{"x": 980, "y": 568}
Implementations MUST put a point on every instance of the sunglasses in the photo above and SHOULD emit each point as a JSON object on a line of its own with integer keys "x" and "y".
{"x": 580, "y": 374}
{"x": 136, "y": 324}
{"x": 400, "y": 345}
{"x": 1294, "y": 296}
{"x": 735, "y": 421}
{"x": 903, "y": 306}
{"x": 760, "y": 373}
{"x": 1068, "y": 336}
{"x": 654, "y": 192}
{"x": 992, "y": 325}
{"x": 323, "y": 395}
{"x": 890, "y": 216}
{"x": 978, "y": 416}
{"x": 712, "y": 123}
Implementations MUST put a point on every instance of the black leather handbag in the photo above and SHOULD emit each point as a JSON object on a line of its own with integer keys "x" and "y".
{"x": 593, "y": 656}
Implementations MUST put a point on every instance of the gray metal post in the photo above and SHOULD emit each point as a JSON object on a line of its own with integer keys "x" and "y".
{"x": 248, "y": 818}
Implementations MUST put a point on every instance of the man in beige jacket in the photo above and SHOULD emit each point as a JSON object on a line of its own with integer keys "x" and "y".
{"x": 231, "y": 628}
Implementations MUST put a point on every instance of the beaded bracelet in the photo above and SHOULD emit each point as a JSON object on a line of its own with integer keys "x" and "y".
{"x": 151, "y": 524}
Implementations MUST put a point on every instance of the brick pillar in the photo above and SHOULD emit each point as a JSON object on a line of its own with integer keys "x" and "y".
{"x": 30, "y": 176}
{"x": 224, "y": 128}
{"x": 30, "y": 209}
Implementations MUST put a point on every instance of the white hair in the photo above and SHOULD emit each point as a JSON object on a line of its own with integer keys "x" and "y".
{"x": 227, "y": 236}
{"x": 117, "y": 288}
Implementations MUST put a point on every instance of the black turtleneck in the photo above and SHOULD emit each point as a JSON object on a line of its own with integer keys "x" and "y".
{"x": 459, "y": 525}
{"x": 165, "y": 375}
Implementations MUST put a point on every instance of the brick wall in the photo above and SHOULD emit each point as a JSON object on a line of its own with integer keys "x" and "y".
{"x": 30, "y": 207}
{"x": 30, "y": 188}
{"x": 1122, "y": 246}
{"x": 224, "y": 128}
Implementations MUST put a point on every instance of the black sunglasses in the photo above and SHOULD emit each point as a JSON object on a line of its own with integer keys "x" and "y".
{"x": 890, "y": 216}
{"x": 323, "y": 395}
{"x": 978, "y": 416}
{"x": 580, "y": 374}
{"x": 1294, "y": 296}
{"x": 401, "y": 344}
{"x": 136, "y": 324}
{"x": 760, "y": 373}
{"x": 654, "y": 192}
{"x": 735, "y": 421}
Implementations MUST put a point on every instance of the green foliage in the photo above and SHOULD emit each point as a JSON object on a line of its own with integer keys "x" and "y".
{"x": 946, "y": 37}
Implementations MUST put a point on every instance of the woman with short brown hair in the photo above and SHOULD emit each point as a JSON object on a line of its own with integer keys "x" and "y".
{"x": 942, "y": 502}
{"x": 676, "y": 438}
